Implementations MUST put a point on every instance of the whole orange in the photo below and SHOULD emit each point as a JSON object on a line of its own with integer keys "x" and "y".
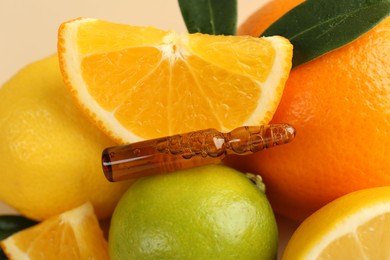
{"x": 340, "y": 106}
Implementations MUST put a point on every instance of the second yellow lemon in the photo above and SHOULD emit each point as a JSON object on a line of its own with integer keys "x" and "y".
{"x": 355, "y": 226}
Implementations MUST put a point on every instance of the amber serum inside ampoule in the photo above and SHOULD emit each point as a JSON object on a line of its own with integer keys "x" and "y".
{"x": 183, "y": 151}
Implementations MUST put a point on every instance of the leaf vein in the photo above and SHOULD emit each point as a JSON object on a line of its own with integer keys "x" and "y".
{"x": 341, "y": 17}
{"x": 211, "y": 15}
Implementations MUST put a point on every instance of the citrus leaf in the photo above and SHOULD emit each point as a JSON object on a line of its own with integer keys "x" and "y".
{"x": 10, "y": 224}
{"x": 2, "y": 255}
{"x": 210, "y": 16}
{"x": 316, "y": 27}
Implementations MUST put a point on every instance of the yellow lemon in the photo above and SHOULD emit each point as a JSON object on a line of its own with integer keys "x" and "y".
{"x": 49, "y": 153}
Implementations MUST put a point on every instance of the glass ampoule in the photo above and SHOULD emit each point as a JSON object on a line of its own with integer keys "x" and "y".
{"x": 183, "y": 151}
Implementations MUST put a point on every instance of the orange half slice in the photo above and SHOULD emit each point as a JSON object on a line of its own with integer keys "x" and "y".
{"x": 140, "y": 83}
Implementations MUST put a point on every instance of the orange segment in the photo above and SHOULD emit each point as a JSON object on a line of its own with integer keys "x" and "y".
{"x": 139, "y": 83}
{"x": 74, "y": 234}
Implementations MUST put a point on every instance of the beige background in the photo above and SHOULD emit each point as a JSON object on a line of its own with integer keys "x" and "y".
{"x": 28, "y": 29}
{"x": 28, "y": 32}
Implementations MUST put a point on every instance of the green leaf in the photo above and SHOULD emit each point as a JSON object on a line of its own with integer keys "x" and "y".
{"x": 2, "y": 255}
{"x": 318, "y": 26}
{"x": 210, "y": 16}
{"x": 10, "y": 224}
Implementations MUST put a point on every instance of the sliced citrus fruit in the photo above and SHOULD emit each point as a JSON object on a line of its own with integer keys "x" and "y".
{"x": 74, "y": 234}
{"x": 139, "y": 83}
{"x": 355, "y": 226}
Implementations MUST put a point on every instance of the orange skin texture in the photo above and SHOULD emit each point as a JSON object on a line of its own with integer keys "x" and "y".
{"x": 339, "y": 104}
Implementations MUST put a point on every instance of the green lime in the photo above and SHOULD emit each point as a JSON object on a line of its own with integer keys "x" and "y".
{"x": 211, "y": 212}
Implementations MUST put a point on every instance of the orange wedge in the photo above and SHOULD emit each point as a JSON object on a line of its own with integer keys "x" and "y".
{"x": 139, "y": 83}
{"x": 75, "y": 234}
{"x": 354, "y": 226}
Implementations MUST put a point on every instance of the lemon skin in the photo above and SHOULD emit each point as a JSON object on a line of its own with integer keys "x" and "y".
{"x": 49, "y": 153}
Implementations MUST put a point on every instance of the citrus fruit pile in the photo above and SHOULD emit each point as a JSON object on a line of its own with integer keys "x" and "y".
{"x": 147, "y": 84}
{"x": 132, "y": 83}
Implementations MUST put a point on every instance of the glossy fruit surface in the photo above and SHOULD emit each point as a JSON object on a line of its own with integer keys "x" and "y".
{"x": 354, "y": 226}
{"x": 339, "y": 105}
{"x": 210, "y": 212}
{"x": 49, "y": 152}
